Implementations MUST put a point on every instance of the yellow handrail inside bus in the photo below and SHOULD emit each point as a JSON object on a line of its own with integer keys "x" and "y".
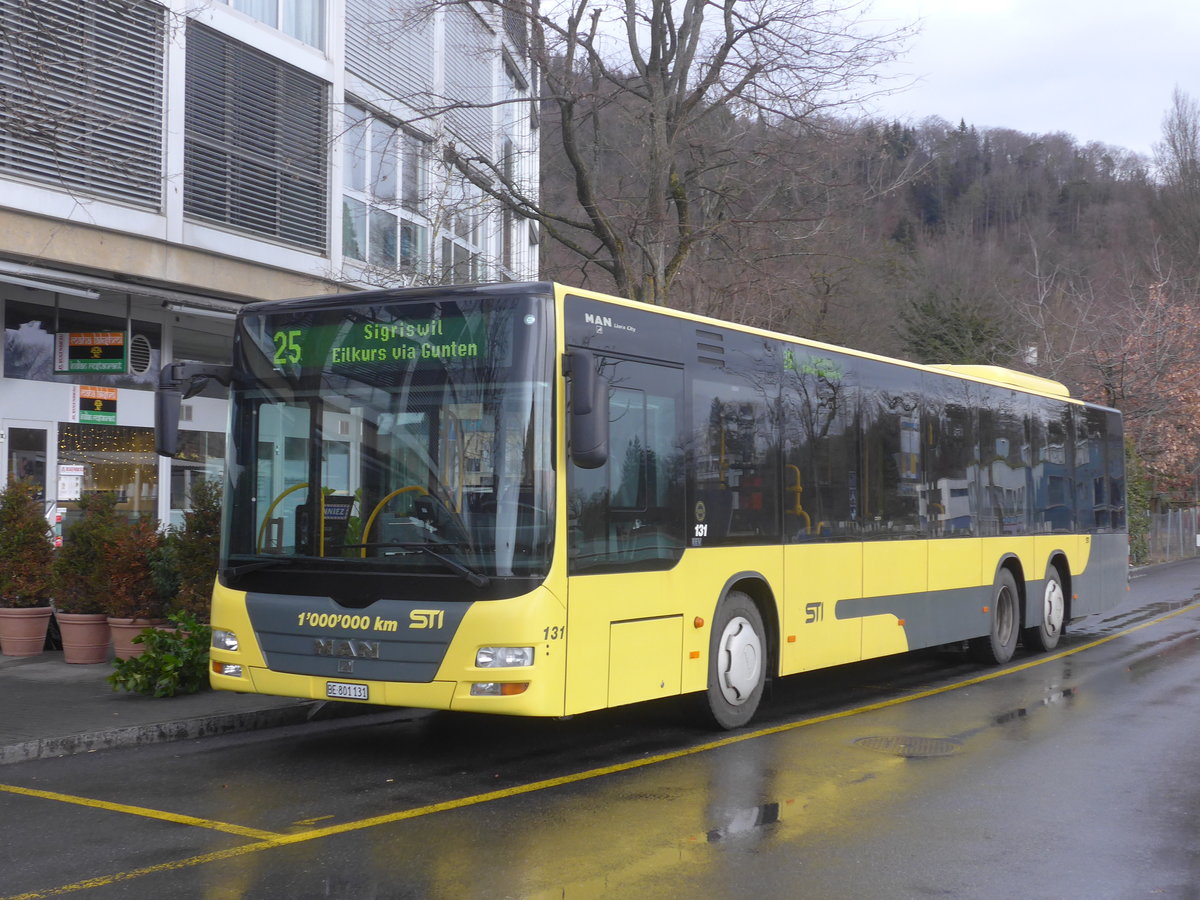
{"x": 270, "y": 509}
{"x": 379, "y": 508}
{"x": 797, "y": 506}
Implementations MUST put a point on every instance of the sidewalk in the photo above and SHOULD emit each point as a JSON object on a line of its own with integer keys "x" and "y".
{"x": 49, "y": 708}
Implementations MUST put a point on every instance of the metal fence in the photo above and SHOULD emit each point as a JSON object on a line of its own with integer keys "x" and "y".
{"x": 1173, "y": 534}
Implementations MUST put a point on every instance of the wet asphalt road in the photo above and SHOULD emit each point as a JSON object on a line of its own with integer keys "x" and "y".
{"x": 1072, "y": 775}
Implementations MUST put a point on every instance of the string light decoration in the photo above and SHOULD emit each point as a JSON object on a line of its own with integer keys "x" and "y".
{"x": 117, "y": 458}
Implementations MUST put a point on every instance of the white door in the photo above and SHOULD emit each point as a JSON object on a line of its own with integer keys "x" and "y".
{"x": 30, "y": 451}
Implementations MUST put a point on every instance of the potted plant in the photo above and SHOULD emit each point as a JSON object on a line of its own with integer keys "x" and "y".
{"x": 132, "y": 602}
{"x": 26, "y": 554}
{"x": 174, "y": 661}
{"x": 81, "y": 574}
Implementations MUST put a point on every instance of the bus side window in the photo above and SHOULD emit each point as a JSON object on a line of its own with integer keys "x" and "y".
{"x": 627, "y": 514}
{"x": 734, "y": 444}
{"x": 820, "y": 427}
{"x": 951, "y": 458}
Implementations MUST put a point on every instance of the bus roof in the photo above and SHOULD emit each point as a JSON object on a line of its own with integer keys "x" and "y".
{"x": 1023, "y": 380}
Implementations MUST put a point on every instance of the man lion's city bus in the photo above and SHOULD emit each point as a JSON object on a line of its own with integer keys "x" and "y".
{"x": 535, "y": 500}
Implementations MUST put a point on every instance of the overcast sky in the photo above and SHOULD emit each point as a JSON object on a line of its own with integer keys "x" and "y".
{"x": 1100, "y": 70}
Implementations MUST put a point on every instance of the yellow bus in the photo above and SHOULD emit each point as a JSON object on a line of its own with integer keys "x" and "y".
{"x": 534, "y": 500}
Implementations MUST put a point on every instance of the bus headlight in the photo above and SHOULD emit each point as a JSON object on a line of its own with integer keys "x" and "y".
{"x": 229, "y": 669}
{"x": 503, "y": 657}
{"x": 224, "y": 640}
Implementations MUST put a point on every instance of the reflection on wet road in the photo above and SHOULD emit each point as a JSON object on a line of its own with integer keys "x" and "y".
{"x": 1066, "y": 775}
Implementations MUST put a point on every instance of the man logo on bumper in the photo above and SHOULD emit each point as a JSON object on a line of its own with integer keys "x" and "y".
{"x": 346, "y": 647}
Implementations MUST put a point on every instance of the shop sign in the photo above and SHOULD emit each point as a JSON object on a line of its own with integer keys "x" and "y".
{"x": 94, "y": 405}
{"x": 70, "y": 484}
{"x": 89, "y": 352}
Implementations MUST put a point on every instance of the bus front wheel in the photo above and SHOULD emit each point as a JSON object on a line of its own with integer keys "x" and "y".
{"x": 998, "y": 645}
{"x": 1045, "y": 634}
{"x": 737, "y": 661}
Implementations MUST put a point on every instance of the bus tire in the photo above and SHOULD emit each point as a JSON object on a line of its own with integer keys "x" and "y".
{"x": 997, "y": 646}
{"x": 737, "y": 661}
{"x": 1046, "y": 632}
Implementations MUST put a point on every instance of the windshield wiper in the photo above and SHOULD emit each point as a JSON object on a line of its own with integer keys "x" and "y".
{"x": 238, "y": 571}
{"x": 475, "y": 578}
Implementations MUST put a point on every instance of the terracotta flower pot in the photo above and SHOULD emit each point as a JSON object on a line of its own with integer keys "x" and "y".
{"x": 23, "y": 630}
{"x": 85, "y": 637}
{"x": 125, "y": 630}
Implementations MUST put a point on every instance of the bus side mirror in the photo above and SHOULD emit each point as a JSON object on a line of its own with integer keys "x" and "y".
{"x": 589, "y": 411}
{"x": 176, "y": 382}
{"x": 166, "y": 421}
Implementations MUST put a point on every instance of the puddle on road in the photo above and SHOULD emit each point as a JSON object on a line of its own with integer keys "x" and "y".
{"x": 916, "y": 747}
{"x": 910, "y": 747}
{"x": 745, "y": 821}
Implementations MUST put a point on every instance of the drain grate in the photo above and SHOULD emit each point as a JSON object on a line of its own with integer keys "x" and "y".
{"x": 910, "y": 747}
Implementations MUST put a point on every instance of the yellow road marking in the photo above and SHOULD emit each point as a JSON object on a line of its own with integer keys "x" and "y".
{"x": 271, "y": 840}
{"x": 141, "y": 811}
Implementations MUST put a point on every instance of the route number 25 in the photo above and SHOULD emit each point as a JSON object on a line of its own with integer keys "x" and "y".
{"x": 287, "y": 347}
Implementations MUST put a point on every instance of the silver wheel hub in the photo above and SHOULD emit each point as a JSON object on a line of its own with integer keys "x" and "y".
{"x": 1053, "y": 608}
{"x": 739, "y": 661}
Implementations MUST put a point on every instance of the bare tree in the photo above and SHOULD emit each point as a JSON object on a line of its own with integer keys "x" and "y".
{"x": 1177, "y": 158}
{"x": 678, "y": 125}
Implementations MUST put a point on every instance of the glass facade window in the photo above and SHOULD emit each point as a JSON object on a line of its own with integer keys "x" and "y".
{"x": 384, "y": 185}
{"x": 29, "y": 346}
{"x": 193, "y": 345}
{"x": 302, "y": 19}
{"x": 463, "y": 259}
{"x": 201, "y": 457}
{"x": 116, "y": 459}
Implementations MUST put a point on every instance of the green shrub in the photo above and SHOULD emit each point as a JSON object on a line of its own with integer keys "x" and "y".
{"x": 195, "y": 549}
{"x": 132, "y": 590}
{"x": 173, "y": 662}
{"x": 26, "y": 550}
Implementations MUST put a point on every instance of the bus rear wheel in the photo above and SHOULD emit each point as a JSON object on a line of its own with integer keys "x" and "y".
{"x": 1045, "y": 634}
{"x": 737, "y": 661}
{"x": 997, "y": 646}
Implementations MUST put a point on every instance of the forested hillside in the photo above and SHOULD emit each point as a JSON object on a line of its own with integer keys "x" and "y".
{"x": 942, "y": 242}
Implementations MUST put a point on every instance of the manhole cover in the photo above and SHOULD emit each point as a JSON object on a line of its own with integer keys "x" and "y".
{"x": 910, "y": 747}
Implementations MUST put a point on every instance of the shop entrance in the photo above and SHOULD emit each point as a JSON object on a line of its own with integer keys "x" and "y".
{"x": 29, "y": 453}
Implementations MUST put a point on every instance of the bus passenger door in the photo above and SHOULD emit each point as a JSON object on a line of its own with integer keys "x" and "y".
{"x": 625, "y": 533}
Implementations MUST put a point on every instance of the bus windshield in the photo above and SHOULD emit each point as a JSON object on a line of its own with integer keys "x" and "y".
{"x": 393, "y": 432}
